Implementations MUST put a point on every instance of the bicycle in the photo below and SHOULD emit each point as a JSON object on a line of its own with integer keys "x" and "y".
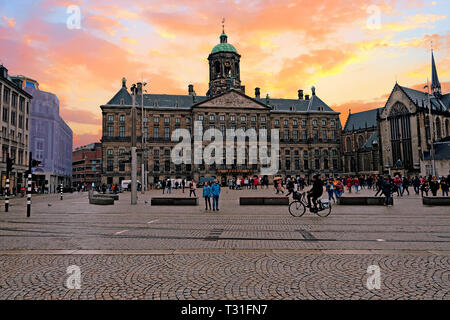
{"x": 297, "y": 208}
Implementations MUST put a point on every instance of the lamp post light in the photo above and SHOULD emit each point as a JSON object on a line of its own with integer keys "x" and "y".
{"x": 133, "y": 147}
{"x": 140, "y": 86}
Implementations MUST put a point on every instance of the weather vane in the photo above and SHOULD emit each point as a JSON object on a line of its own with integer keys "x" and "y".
{"x": 223, "y": 25}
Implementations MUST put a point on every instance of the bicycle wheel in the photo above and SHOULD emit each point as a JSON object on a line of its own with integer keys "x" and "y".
{"x": 324, "y": 213}
{"x": 297, "y": 209}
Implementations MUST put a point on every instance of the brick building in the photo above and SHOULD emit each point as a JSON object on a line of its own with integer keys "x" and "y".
{"x": 87, "y": 165}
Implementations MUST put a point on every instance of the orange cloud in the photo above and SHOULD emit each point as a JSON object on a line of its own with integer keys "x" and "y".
{"x": 9, "y": 21}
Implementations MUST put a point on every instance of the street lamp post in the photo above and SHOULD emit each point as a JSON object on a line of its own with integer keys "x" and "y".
{"x": 143, "y": 182}
{"x": 133, "y": 147}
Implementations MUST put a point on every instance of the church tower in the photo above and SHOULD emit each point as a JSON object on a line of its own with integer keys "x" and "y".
{"x": 224, "y": 70}
{"x": 435, "y": 84}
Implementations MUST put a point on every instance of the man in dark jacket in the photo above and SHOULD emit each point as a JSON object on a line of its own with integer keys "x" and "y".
{"x": 416, "y": 184}
{"x": 386, "y": 189}
{"x": 315, "y": 192}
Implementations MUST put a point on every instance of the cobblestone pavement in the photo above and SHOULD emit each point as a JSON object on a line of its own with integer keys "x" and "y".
{"x": 240, "y": 252}
{"x": 220, "y": 276}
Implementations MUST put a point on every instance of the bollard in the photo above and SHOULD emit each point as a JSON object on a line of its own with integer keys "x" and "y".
{"x": 29, "y": 196}
{"x": 7, "y": 196}
{"x": 61, "y": 191}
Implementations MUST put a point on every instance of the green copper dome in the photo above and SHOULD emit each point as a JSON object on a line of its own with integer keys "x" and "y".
{"x": 223, "y": 46}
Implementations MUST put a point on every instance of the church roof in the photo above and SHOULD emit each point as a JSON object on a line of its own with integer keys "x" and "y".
{"x": 174, "y": 101}
{"x": 361, "y": 120}
{"x": 440, "y": 103}
{"x": 435, "y": 84}
{"x": 373, "y": 139}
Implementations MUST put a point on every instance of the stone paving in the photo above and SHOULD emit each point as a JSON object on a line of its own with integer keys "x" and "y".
{"x": 240, "y": 252}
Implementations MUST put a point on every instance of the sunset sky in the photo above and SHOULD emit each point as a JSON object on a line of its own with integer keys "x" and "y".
{"x": 285, "y": 46}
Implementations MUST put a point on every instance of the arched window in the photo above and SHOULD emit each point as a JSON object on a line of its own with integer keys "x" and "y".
{"x": 217, "y": 67}
{"x": 447, "y": 128}
{"x": 360, "y": 141}
{"x": 236, "y": 69}
{"x": 438, "y": 129}
{"x": 348, "y": 143}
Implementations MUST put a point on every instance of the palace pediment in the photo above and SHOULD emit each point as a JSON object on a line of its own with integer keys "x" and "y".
{"x": 232, "y": 99}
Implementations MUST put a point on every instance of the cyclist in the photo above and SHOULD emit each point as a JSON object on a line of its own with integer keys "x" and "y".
{"x": 316, "y": 191}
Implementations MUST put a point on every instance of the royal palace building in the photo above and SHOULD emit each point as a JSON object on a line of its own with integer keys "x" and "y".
{"x": 309, "y": 130}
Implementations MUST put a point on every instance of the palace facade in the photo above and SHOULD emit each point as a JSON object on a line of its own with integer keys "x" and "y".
{"x": 309, "y": 130}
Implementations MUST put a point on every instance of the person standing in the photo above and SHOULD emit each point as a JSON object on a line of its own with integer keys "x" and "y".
{"x": 416, "y": 184}
{"x": 434, "y": 186}
{"x": 183, "y": 184}
{"x": 444, "y": 186}
{"x": 207, "y": 195}
{"x": 398, "y": 186}
{"x": 339, "y": 189}
{"x": 163, "y": 186}
{"x": 215, "y": 192}
{"x": 349, "y": 184}
{"x": 386, "y": 188}
{"x": 405, "y": 185}
{"x": 356, "y": 183}
{"x": 330, "y": 189}
{"x": 424, "y": 187}
{"x": 192, "y": 188}
{"x": 169, "y": 186}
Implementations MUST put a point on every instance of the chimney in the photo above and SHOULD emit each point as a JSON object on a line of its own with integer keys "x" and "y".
{"x": 300, "y": 94}
{"x": 124, "y": 82}
{"x": 257, "y": 93}
{"x": 3, "y": 71}
{"x": 313, "y": 90}
{"x": 307, "y": 97}
{"x": 191, "y": 89}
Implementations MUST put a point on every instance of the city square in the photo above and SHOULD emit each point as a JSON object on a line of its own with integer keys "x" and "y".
{"x": 215, "y": 155}
{"x": 239, "y": 252}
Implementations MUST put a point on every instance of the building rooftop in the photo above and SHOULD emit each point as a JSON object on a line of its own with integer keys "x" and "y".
{"x": 362, "y": 120}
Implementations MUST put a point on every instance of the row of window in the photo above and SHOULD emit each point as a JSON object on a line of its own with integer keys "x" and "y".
{"x": 325, "y": 134}
{"x": 14, "y": 120}
{"x": 14, "y": 98}
{"x": 242, "y": 118}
